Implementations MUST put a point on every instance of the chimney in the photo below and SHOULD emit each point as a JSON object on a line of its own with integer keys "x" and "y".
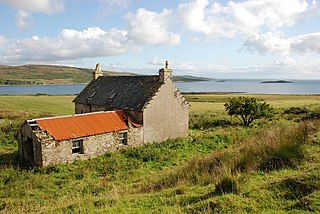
{"x": 97, "y": 72}
{"x": 165, "y": 73}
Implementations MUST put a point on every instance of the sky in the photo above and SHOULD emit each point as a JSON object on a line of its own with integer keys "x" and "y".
{"x": 251, "y": 39}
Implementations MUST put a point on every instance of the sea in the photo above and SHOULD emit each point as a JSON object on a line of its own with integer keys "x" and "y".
{"x": 250, "y": 86}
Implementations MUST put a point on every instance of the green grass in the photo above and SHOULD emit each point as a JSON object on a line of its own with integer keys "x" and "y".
{"x": 56, "y": 105}
{"x": 204, "y": 102}
{"x": 222, "y": 167}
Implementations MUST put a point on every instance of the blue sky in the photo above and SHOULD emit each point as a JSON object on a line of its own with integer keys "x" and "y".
{"x": 217, "y": 39}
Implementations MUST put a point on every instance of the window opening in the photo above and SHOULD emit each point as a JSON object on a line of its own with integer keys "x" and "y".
{"x": 77, "y": 146}
{"x": 123, "y": 138}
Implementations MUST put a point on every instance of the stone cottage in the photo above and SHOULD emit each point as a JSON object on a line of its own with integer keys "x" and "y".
{"x": 153, "y": 101}
{"x": 112, "y": 112}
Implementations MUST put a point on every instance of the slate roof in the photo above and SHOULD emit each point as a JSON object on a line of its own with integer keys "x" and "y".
{"x": 120, "y": 92}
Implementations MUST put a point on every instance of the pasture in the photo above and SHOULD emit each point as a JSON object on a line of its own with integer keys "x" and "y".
{"x": 271, "y": 167}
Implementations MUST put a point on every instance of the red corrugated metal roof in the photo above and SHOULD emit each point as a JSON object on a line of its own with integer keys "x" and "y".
{"x": 62, "y": 128}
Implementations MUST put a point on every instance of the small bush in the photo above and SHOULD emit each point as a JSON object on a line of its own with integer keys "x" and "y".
{"x": 312, "y": 116}
{"x": 296, "y": 110}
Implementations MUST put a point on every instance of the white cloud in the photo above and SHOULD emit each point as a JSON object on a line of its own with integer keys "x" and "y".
{"x": 148, "y": 27}
{"x": 156, "y": 61}
{"x": 118, "y": 3}
{"x": 112, "y": 6}
{"x": 284, "y": 61}
{"x": 23, "y": 19}
{"x": 3, "y": 40}
{"x": 145, "y": 28}
{"x": 202, "y": 17}
{"x": 42, "y": 6}
{"x": 26, "y": 7}
{"x": 117, "y": 65}
{"x": 259, "y": 22}
{"x": 306, "y": 43}
{"x": 268, "y": 43}
{"x": 269, "y": 13}
{"x": 276, "y": 43}
{"x": 212, "y": 19}
{"x": 71, "y": 44}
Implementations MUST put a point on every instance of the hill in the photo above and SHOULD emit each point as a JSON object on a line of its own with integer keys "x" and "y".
{"x": 52, "y": 74}
{"x": 46, "y": 74}
{"x": 188, "y": 78}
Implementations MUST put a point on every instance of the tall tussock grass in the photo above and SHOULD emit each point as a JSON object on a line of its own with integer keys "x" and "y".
{"x": 271, "y": 149}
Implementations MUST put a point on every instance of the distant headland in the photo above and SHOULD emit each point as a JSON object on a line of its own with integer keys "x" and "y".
{"x": 63, "y": 75}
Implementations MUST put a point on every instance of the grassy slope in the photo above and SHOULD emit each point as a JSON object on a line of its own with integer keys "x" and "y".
{"x": 78, "y": 187}
{"x": 49, "y": 74}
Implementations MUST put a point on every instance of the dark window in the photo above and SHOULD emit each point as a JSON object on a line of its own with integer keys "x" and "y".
{"x": 123, "y": 138}
{"x": 77, "y": 146}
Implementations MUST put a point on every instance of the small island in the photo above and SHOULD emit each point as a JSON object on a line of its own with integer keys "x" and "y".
{"x": 276, "y": 81}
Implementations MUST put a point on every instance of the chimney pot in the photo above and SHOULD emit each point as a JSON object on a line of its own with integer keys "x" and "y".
{"x": 97, "y": 72}
{"x": 165, "y": 73}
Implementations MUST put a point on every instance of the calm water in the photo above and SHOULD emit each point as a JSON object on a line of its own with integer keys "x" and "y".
{"x": 245, "y": 86}
{"x": 253, "y": 87}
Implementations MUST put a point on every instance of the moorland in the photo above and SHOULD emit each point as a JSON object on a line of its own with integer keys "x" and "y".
{"x": 273, "y": 166}
{"x": 54, "y": 74}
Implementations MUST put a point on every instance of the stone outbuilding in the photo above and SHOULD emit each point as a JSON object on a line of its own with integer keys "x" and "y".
{"x": 65, "y": 139}
{"x": 112, "y": 112}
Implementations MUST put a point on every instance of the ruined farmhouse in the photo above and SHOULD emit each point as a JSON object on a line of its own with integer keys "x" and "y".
{"x": 111, "y": 113}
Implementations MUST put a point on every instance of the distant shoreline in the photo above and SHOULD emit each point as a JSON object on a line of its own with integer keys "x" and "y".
{"x": 215, "y": 93}
{"x": 179, "y": 79}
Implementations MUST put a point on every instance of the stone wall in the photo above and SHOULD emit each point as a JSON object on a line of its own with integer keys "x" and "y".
{"x": 166, "y": 116}
{"x": 135, "y": 137}
{"x": 32, "y": 151}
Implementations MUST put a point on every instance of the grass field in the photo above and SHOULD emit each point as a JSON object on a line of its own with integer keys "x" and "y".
{"x": 222, "y": 167}
{"x": 61, "y": 105}
{"x": 206, "y": 102}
